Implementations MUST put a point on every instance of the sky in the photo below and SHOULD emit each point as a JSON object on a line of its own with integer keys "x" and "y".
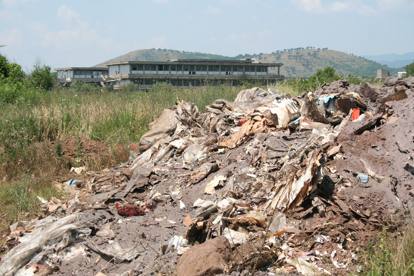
{"x": 87, "y": 32}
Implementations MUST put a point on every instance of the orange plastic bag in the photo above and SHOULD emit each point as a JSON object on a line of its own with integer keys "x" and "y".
{"x": 356, "y": 112}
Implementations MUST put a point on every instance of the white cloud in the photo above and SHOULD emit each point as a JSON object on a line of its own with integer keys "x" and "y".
{"x": 10, "y": 3}
{"x": 358, "y": 6}
{"x": 392, "y": 4}
{"x": 74, "y": 35}
{"x": 213, "y": 10}
{"x": 11, "y": 37}
{"x": 161, "y": 1}
{"x": 309, "y": 5}
{"x": 67, "y": 14}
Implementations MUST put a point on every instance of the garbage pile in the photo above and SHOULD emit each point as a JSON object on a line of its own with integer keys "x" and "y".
{"x": 267, "y": 184}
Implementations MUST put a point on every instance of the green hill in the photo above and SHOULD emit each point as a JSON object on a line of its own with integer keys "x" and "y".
{"x": 161, "y": 55}
{"x": 299, "y": 62}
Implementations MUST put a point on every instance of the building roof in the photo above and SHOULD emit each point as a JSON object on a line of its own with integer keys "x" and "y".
{"x": 200, "y": 61}
{"x": 82, "y": 69}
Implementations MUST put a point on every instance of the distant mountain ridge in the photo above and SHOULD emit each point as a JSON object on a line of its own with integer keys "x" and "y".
{"x": 299, "y": 62}
{"x": 394, "y": 60}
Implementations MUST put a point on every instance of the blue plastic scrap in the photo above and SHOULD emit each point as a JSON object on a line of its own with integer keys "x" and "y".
{"x": 363, "y": 178}
{"x": 73, "y": 182}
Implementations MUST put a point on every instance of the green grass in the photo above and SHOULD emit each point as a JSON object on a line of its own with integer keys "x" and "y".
{"x": 391, "y": 256}
{"x": 19, "y": 198}
{"x": 34, "y": 126}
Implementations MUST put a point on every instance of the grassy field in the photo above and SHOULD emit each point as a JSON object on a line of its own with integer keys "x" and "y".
{"x": 44, "y": 135}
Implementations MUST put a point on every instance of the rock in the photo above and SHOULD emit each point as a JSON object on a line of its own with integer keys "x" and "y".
{"x": 235, "y": 237}
{"x": 278, "y": 222}
{"x": 209, "y": 258}
{"x": 217, "y": 181}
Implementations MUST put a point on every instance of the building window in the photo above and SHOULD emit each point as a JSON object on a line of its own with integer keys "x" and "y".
{"x": 149, "y": 67}
{"x": 173, "y": 67}
{"x": 213, "y": 68}
{"x": 179, "y": 68}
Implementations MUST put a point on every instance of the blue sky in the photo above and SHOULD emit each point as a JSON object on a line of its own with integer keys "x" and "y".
{"x": 81, "y": 33}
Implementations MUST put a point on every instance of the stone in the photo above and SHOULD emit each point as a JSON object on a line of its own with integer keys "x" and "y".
{"x": 209, "y": 258}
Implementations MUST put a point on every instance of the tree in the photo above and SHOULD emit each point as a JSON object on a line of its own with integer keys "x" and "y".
{"x": 42, "y": 77}
{"x": 326, "y": 75}
{"x": 10, "y": 71}
{"x": 321, "y": 77}
{"x": 410, "y": 69}
{"x": 16, "y": 73}
{"x": 4, "y": 69}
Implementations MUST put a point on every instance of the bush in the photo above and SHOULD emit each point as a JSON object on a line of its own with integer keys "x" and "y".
{"x": 410, "y": 69}
{"x": 10, "y": 72}
{"x": 322, "y": 76}
{"x": 4, "y": 70}
{"x": 19, "y": 92}
{"x": 42, "y": 77}
{"x": 81, "y": 87}
{"x": 16, "y": 73}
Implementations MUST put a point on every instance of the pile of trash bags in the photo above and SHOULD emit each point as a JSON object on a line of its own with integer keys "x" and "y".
{"x": 267, "y": 184}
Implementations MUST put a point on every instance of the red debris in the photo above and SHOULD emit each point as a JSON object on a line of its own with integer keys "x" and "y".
{"x": 241, "y": 121}
{"x": 356, "y": 112}
{"x": 129, "y": 210}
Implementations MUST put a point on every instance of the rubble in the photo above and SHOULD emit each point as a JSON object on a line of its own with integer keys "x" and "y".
{"x": 209, "y": 258}
{"x": 266, "y": 183}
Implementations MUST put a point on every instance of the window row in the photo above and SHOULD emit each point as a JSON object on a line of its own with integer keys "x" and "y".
{"x": 202, "y": 68}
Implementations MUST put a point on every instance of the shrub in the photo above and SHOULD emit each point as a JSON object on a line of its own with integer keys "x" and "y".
{"x": 19, "y": 92}
{"x": 16, "y": 73}
{"x": 410, "y": 69}
{"x": 322, "y": 76}
{"x": 82, "y": 87}
{"x": 4, "y": 70}
{"x": 42, "y": 77}
{"x": 10, "y": 72}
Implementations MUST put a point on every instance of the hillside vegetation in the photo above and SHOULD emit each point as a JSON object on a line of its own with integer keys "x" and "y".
{"x": 303, "y": 62}
{"x": 162, "y": 55}
{"x": 300, "y": 62}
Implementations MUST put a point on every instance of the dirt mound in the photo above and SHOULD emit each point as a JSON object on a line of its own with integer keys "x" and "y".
{"x": 293, "y": 185}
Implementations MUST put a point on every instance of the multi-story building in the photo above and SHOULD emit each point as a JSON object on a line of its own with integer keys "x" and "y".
{"x": 82, "y": 74}
{"x": 382, "y": 74}
{"x": 194, "y": 72}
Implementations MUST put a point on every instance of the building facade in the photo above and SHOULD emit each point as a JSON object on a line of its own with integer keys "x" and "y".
{"x": 82, "y": 74}
{"x": 194, "y": 72}
{"x": 382, "y": 74}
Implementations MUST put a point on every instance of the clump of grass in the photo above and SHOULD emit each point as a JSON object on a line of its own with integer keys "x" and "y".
{"x": 391, "y": 256}
{"x": 19, "y": 198}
